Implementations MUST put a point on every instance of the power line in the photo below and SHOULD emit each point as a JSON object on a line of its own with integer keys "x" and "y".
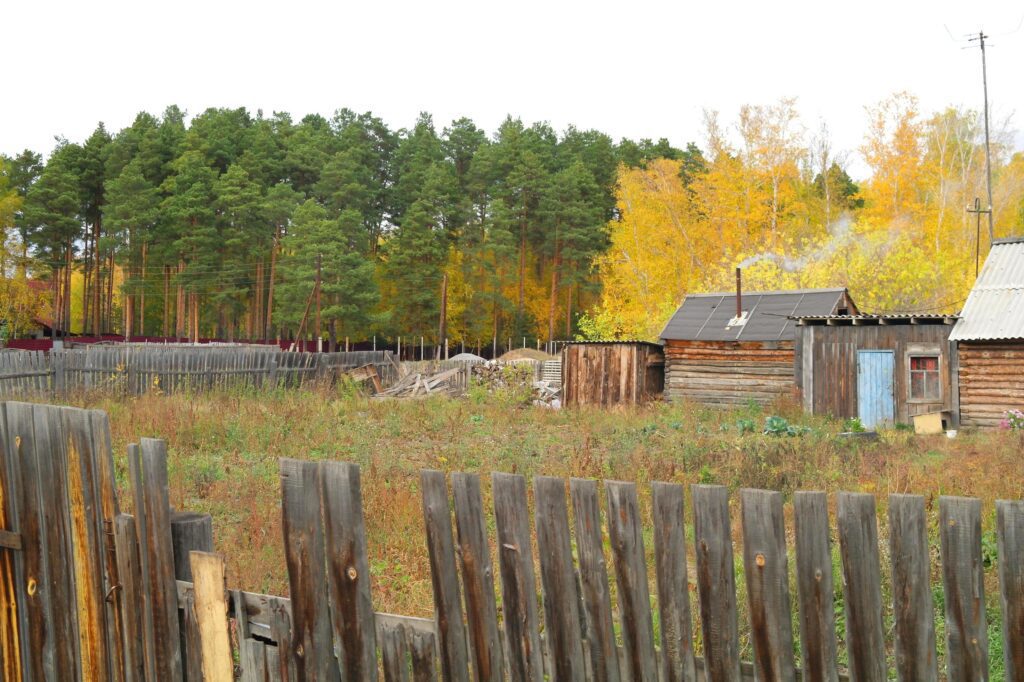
{"x": 980, "y": 38}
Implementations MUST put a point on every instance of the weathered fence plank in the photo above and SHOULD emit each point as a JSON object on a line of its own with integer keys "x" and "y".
{"x": 814, "y": 584}
{"x": 212, "y": 613}
{"x": 677, "y": 657}
{"x": 12, "y": 583}
{"x": 129, "y": 571}
{"x": 596, "y": 597}
{"x": 421, "y": 649}
{"x": 444, "y": 576}
{"x": 626, "y": 537}
{"x": 394, "y": 654}
{"x": 767, "y": 573}
{"x": 311, "y": 631}
{"x": 145, "y": 602}
{"x": 518, "y": 584}
{"x": 349, "y": 571}
{"x": 1010, "y": 532}
{"x": 253, "y": 659}
{"x": 558, "y": 580}
{"x": 912, "y": 598}
{"x": 862, "y": 586}
{"x": 477, "y": 578}
{"x": 716, "y": 584}
{"x": 191, "y": 640}
{"x": 964, "y": 582}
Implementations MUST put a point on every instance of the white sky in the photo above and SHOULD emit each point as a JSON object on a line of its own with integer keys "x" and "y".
{"x": 635, "y": 69}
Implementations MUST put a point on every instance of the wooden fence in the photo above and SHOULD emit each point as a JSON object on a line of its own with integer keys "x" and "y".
{"x": 89, "y": 592}
{"x": 135, "y": 369}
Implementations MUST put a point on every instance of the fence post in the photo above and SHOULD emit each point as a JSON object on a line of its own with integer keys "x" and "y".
{"x": 59, "y": 377}
{"x": 190, "y": 532}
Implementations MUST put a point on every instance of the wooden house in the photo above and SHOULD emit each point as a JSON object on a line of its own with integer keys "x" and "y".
{"x": 990, "y": 338}
{"x": 611, "y": 372}
{"x": 728, "y": 349}
{"x": 880, "y": 368}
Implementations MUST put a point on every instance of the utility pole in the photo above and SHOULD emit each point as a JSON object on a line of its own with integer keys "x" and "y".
{"x": 319, "y": 262}
{"x": 988, "y": 154}
{"x": 978, "y": 210}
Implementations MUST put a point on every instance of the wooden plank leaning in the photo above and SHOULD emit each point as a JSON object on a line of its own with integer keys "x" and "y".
{"x": 212, "y": 614}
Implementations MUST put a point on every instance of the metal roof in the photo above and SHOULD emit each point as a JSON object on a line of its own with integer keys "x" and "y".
{"x": 995, "y": 308}
{"x": 879, "y": 319}
{"x": 707, "y": 317}
{"x": 615, "y": 342}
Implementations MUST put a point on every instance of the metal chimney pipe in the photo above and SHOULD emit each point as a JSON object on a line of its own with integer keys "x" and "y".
{"x": 739, "y": 293}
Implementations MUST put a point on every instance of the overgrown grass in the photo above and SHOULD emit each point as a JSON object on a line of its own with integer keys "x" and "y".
{"x": 224, "y": 450}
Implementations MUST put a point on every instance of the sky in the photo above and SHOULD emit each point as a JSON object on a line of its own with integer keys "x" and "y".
{"x": 631, "y": 69}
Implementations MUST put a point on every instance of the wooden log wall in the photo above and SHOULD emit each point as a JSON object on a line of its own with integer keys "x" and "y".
{"x": 726, "y": 374}
{"x": 991, "y": 382}
{"x": 79, "y": 603}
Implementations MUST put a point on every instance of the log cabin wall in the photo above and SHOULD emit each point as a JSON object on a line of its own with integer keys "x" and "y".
{"x": 826, "y": 365}
{"x": 991, "y": 377}
{"x": 728, "y": 373}
{"x": 609, "y": 374}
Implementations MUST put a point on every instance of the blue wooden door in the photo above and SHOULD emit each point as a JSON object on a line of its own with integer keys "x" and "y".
{"x": 876, "y": 372}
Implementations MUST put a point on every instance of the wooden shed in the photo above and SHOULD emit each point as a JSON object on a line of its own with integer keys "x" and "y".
{"x": 729, "y": 349}
{"x": 989, "y": 339}
{"x": 612, "y": 372}
{"x": 881, "y": 368}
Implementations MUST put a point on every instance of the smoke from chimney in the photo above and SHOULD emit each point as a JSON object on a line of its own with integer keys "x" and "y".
{"x": 739, "y": 293}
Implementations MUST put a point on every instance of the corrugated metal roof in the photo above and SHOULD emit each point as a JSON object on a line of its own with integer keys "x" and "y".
{"x": 706, "y": 317}
{"x": 879, "y": 318}
{"x": 995, "y": 308}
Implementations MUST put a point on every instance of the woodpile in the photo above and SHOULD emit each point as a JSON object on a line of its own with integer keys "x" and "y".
{"x": 418, "y": 385}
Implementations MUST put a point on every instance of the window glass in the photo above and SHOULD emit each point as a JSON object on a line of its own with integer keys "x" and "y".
{"x": 925, "y": 383}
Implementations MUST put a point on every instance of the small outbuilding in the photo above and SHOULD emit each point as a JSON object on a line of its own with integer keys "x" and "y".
{"x": 610, "y": 373}
{"x": 728, "y": 349}
{"x": 990, "y": 338}
{"x": 882, "y": 369}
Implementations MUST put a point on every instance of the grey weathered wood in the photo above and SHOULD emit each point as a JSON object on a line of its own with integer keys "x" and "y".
{"x": 964, "y": 582}
{"x": 862, "y": 591}
{"x": 422, "y": 651}
{"x": 767, "y": 573}
{"x": 190, "y": 531}
{"x": 130, "y": 573}
{"x": 627, "y": 542}
{"x": 716, "y": 583}
{"x": 444, "y": 577}
{"x": 677, "y": 657}
{"x": 192, "y": 655}
{"x": 14, "y": 635}
{"x": 348, "y": 574}
{"x": 912, "y": 596}
{"x": 280, "y": 661}
{"x": 62, "y": 630}
{"x": 814, "y": 585}
{"x": 518, "y": 584}
{"x": 307, "y": 574}
{"x": 155, "y": 505}
{"x": 146, "y": 603}
{"x": 394, "y": 654}
{"x": 1010, "y": 539}
{"x": 596, "y": 597}
{"x": 558, "y": 580}
{"x": 253, "y": 657}
{"x": 477, "y": 578}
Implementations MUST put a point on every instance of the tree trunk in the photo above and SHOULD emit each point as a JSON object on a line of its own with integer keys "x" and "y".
{"x": 553, "y": 304}
{"x": 67, "y": 287}
{"x": 179, "y": 317}
{"x": 142, "y": 294}
{"x": 270, "y": 287}
{"x": 568, "y": 315}
{"x": 167, "y": 301}
{"x": 522, "y": 269}
{"x": 97, "y": 284}
{"x": 86, "y": 281}
{"x": 109, "y": 325}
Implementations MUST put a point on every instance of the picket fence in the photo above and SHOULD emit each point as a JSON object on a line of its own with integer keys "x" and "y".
{"x": 88, "y": 592}
{"x": 135, "y": 369}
